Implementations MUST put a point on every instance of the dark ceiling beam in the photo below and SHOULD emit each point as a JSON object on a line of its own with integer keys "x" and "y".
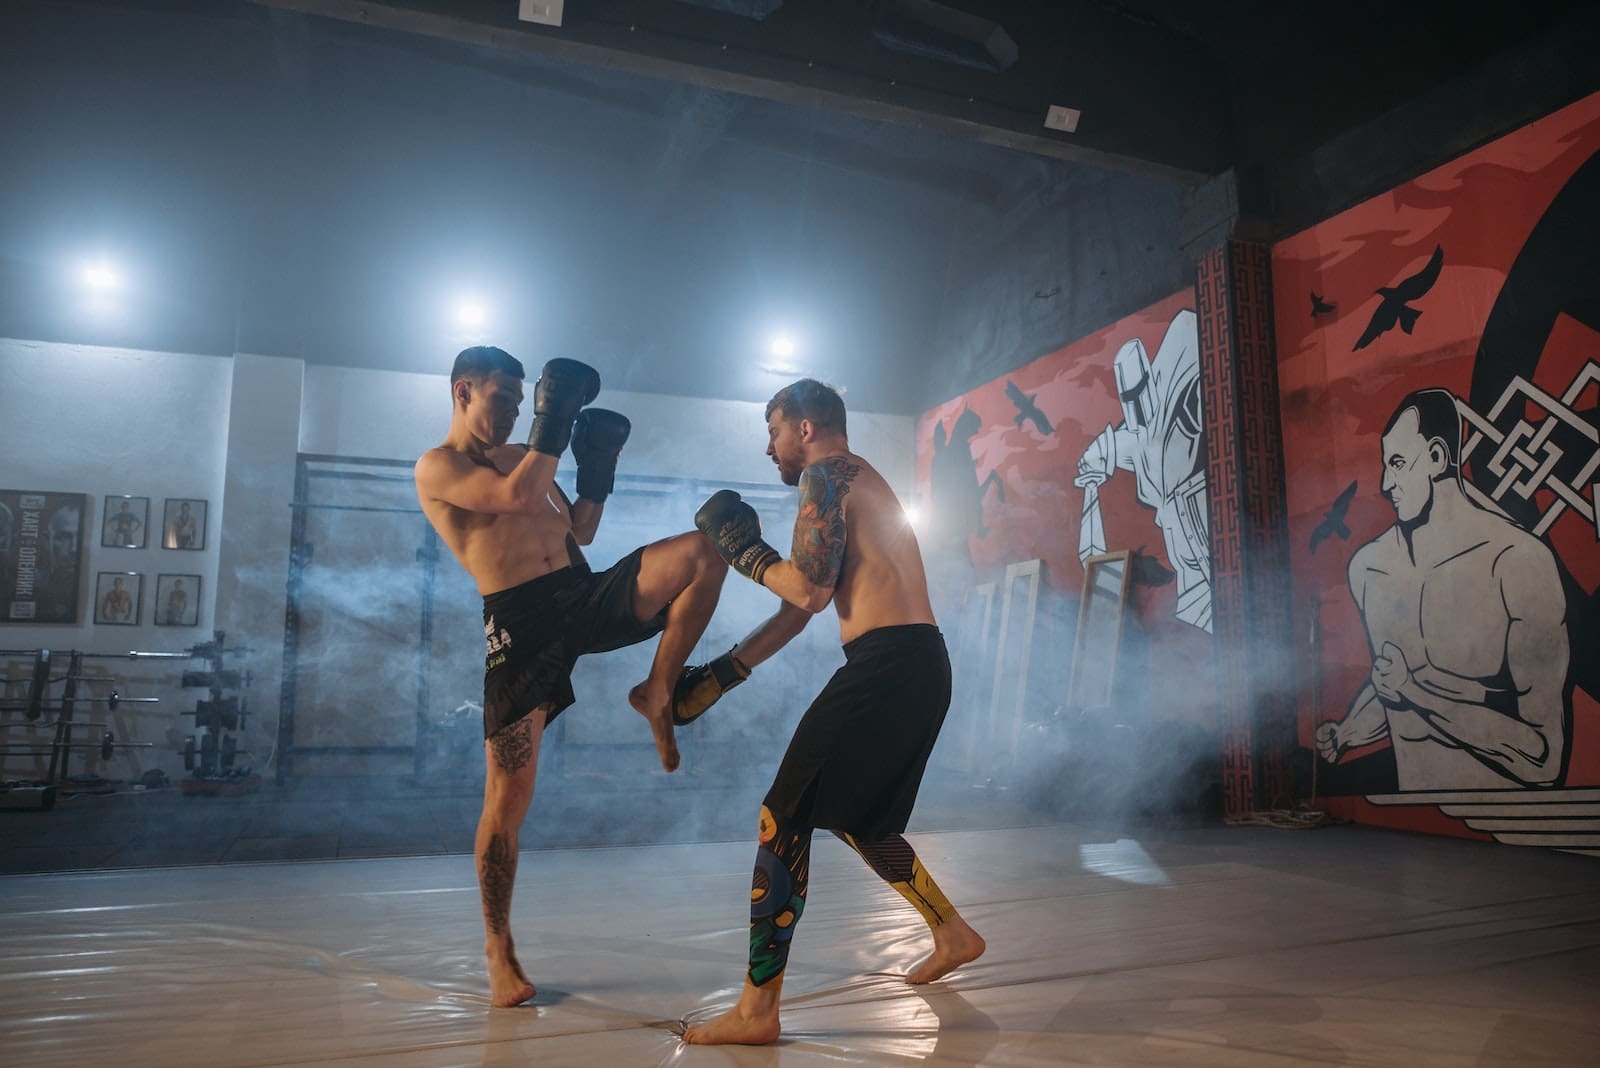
{"x": 918, "y": 103}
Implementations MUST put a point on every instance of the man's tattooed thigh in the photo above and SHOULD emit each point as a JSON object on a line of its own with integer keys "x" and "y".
{"x": 512, "y": 745}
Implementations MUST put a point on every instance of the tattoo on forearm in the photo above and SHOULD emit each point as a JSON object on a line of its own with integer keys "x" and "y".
{"x": 512, "y": 745}
{"x": 497, "y": 870}
{"x": 819, "y": 529}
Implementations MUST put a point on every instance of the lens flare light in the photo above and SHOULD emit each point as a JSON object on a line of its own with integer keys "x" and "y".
{"x": 101, "y": 277}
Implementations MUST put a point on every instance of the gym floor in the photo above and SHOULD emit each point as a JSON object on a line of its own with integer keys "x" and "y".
{"x": 1199, "y": 946}
{"x": 356, "y": 818}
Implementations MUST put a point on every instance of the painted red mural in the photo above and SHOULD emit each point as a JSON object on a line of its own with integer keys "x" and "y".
{"x": 1096, "y": 446}
{"x": 1439, "y": 366}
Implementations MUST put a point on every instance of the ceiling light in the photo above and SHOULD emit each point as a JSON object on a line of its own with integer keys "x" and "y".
{"x": 100, "y": 276}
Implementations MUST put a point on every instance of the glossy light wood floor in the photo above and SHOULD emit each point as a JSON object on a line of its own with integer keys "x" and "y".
{"x": 1209, "y": 947}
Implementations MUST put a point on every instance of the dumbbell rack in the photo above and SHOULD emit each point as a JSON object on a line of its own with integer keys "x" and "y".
{"x": 40, "y": 794}
{"x": 210, "y": 755}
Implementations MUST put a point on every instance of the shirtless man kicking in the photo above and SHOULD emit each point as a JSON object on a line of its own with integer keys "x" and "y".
{"x": 498, "y": 508}
{"x": 856, "y": 759}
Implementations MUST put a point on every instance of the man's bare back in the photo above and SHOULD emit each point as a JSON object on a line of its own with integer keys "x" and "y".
{"x": 881, "y": 582}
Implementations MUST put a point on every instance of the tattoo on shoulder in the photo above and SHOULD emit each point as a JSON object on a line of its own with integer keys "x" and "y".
{"x": 819, "y": 529}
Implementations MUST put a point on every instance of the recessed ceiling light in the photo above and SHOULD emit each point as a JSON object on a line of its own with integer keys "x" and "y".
{"x": 101, "y": 276}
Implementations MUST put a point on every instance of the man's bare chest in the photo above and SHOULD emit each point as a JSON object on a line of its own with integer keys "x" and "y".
{"x": 1448, "y": 614}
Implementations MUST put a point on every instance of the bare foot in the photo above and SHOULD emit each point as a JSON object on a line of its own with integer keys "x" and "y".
{"x": 954, "y": 943}
{"x": 736, "y": 1028}
{"x": 656, "y": 708}
{"x": 508, "y": 985}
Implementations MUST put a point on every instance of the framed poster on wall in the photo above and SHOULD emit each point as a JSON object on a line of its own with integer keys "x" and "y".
{"x": 119, "y": 598}
{"x": 177, "y": 600}
{"x": 41, "y": 547}
{"x": 183, "y": 523}
{"x": 125, "y": 522}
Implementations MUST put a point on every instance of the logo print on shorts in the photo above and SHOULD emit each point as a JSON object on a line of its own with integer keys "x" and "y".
{"x": 495, "y": 638}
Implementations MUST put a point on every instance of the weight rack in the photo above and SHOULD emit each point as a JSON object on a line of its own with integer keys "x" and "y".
{"x": 40, "y": 794}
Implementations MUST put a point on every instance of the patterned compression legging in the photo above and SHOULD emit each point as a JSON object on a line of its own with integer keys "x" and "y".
{"x": 783, "y": 871}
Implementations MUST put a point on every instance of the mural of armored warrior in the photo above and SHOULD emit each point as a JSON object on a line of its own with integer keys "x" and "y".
{"x": 1161, "y": 440}
{"x": 1466, "y": 623}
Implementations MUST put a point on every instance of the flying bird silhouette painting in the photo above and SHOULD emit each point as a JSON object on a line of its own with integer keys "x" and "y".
{"x": 1396, "y": 298}
{"x": 1027, "y": 410}
{"x": 1333, "y": 519}
{"x": 1319, "y": 307}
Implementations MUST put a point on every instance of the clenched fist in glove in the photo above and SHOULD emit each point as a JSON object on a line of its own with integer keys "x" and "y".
{"x": 735, "y": 529}
{"x": 564, "y": 386}
{"x": 597, "y": 440}
{"x": 702, "y": 685}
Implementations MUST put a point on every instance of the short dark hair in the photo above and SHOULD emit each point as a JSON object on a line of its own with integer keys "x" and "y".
{"x": 810, "y": 399}
{"x": 1437, "y": 417}
{"x": 481, "y": 361}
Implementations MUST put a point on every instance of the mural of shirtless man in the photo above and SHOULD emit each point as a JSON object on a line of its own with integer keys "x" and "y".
{"x": 1466, "y": 623}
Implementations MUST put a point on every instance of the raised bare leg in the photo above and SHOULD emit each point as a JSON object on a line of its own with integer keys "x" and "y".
{"x": 512, "y": 755}
{"x": 684, "y": 575}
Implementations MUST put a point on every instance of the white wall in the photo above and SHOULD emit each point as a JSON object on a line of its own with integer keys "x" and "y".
{"x": 100, "y": 421}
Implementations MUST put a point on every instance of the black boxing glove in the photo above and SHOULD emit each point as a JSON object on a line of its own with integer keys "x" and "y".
{"x": 735, "y": 529}
{"x": 597, "y": 440}
{"x": 701, "y": 686}
{"x": 564, "y": 387}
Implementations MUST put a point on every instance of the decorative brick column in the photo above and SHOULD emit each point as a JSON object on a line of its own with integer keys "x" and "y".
{"x": 1250, "y": 595}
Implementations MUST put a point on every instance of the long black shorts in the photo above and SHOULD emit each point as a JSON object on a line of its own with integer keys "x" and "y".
{"x": 535, "y": 632}
{"x": 856, "y": 760}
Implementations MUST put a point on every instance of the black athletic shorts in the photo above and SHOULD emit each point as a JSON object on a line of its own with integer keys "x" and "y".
{"x": 856, "y": 760}
{"x": 535, "y": 632}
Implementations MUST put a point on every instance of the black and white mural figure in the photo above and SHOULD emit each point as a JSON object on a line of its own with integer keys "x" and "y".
{"x": 1161, "y": 440}
{"x": 1466, "y": 623}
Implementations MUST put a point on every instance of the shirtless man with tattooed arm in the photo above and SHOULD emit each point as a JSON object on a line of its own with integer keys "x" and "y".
{"x": 856, "y": 759}
{"x": 499, "y": 509}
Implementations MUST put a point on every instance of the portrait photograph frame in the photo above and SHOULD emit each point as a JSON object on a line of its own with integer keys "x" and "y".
{"x": 128, "y": 529}
{"x": 111, "y": 610}
{"x": 188, "y": 615}
{"x": 183, "y": 523}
